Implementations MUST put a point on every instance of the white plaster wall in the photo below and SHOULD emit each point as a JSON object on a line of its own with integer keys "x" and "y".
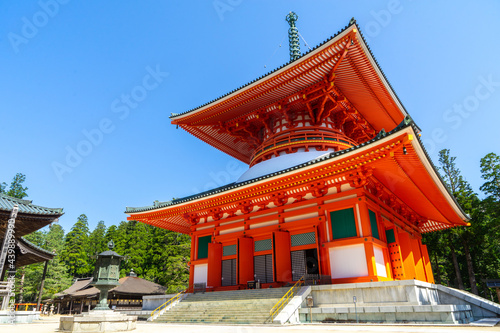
{"x": 200, "y": 273}
{"x": 380, "y": 261}
{"x": 348, "y": 261}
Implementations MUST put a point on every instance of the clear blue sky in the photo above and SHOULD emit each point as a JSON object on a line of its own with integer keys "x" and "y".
{"x": 67, "y": 68}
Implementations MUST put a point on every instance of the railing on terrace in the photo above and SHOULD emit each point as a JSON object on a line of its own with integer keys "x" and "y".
{"x": 156, "y": 312}
{"x": 286, "y": 298}
{"x": 27, "y": 306}
{"x": 316, "y": 279}
{"x": 311, "y": 138}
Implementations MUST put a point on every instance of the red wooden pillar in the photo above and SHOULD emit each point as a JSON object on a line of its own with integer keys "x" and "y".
{"x": 245, "y": 260}
{"x": 407, "y": 255}
{"x": 427, "y": 263}
{"x": 367, "y": 234}
{"x": 191, "y": 266}
{"x": 214, "y": 270}
{"x": 417, "y": 257}
{"x": 398, "y": 272}
{"x": 370, "y": 259}
{"x": 191, "y": 276}
{"x": 365, "y": 218}
{"x": 282, "y": 258}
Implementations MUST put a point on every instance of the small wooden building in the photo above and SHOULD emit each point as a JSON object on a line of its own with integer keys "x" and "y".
{"x": 81, "y": 296}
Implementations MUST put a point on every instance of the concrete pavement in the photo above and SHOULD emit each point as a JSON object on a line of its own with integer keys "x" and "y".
{"x": 50, "y": 325}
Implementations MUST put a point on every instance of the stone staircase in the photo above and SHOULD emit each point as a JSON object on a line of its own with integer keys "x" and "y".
{"x": 227, "y": 307}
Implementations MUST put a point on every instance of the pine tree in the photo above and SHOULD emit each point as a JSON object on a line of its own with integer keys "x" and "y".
{"x": 16, "y": 189}
{"x": 75, "y": 253}
{"x": 97, "y": 242}
{"x": 490, "y": 171}
{"x": 56, "y": 279}
{"x": 469, "y": 201}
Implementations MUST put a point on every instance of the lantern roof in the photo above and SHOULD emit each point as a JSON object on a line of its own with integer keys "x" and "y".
{"x": 110, "y": 252}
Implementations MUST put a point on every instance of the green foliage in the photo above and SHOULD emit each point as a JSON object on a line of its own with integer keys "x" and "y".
{"x": 76, "y": 249}
{"x": 16, "y": 188}
{"x": 30, "y": 276}
{"x": 155, "y": 254}
{"x": 471, "y": 252}
{"x": 490, "y": 171}
{"x": 96, "y": 243}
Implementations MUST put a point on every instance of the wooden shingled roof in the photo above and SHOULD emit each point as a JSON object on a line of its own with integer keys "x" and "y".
{"x": 128, "y": 285}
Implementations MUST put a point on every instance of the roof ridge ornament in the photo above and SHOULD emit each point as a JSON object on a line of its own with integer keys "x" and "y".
{"x": 293, "y": 36}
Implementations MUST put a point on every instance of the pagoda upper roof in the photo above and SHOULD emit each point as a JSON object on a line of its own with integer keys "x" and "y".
{"x": 344, "y": 56}
{"x": 412, "y": 177}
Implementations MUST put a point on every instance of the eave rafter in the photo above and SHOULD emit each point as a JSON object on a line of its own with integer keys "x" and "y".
{"x": 390, "y": 203}
{"x": 322, "y": 100}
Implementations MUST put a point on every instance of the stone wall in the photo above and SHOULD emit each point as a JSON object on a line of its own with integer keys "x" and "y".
{"x": 152, "y": 302}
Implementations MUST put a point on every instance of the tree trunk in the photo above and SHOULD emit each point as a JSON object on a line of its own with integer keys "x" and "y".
{"x": 455, "y": 264}
{"x": 438, "y": 272}
{"x": 21, "y": 287}
{"x": 470, "y": 268}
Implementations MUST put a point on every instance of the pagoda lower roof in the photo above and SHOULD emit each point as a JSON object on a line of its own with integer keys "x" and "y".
{"x": 30, "y": 253}
{"x": 410, "y": 176}
{"x": 344, "y": 56}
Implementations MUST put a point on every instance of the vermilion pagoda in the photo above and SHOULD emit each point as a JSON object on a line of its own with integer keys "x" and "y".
{"x": 328, "y": 190}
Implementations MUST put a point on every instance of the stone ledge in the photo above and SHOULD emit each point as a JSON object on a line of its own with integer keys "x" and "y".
{"x": 98, "y": 321}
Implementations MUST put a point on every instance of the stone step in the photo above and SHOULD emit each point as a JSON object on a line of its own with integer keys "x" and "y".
{"x": 222, "y": 310}
{"x": 228, "y": 304}
{"x": 231, "y": 307}
{"x": 219, "y": 316}
{"x": 260, "y": 319}
{"x": 230, "y": 297}
{"x": 185, "y": 314}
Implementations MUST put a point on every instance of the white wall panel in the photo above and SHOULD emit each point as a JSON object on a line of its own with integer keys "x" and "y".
{"x": 348, "y": 261}
{"x": 200, "y": 273}
{"x": 379, "y": 261}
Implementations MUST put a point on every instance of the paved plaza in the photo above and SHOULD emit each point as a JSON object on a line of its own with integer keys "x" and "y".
{"x": 50, "y": 325}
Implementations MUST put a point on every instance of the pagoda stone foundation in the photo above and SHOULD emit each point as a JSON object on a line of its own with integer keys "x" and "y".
{"x": 409, "y": 301}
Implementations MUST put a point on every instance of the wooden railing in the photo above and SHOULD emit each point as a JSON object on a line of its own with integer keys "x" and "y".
{"x": 156, "y": 312}
{"x": 324, "y": 137}
{"x": 286, "y": 298}
{"x": 20, "y": 306}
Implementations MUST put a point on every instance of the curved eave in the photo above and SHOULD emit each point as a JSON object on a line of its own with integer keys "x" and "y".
{"x": 420, "y": 187}
{"x": 29, "y": 253}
